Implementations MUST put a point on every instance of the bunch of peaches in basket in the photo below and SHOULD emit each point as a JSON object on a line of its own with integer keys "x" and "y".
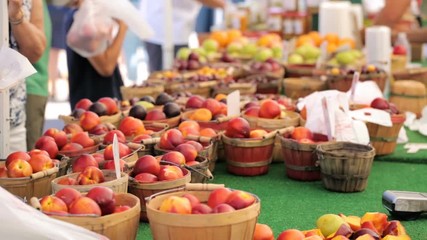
{"x": 22, "y": 164}
{"x": 240, "y": 128}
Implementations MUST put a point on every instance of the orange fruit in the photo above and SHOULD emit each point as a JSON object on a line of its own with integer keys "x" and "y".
{"x": 232, "y": 35}
{"x": 221, "y": 37}
{"x": 208, "y": 132}
{"x": 315, "y": 36}
{"x": 303, "y": 40}
{"x": 263, "y": 232}
{"x": 332, "y": 47}
{"x": 331, "y": 38}
{"x": 348, "y": 41}
{"x": 201, "y": 114}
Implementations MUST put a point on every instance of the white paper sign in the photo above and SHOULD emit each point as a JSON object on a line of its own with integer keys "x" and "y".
{"x": 372, "y": 115}
{"x": 233, "y": 103}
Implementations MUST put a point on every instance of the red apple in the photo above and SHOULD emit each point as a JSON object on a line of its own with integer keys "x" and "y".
{"x": 121, "y": 208}
{"x": 3, "y": 172}
{"x": 218, "y": 196}
{"x": 145, "y": 178}
{"x": 104, "y": 197}
{"x": 169, "y": 172}
{"x": 89, "y": 120}
{"x": 19, "y": 168}
{"x": 111, "y": 105}
{"x": 238, "y": 128}
{"x": 48, "y": 144}
{"x": 99, "y": 157}
{"x": 146, "y": 164}
{"x": 380, "y": 103}
{"x": 139, "y": 138}
{"x": 68, "y": 195}
{"x": 257, "y": 133}
{"x": 40, "y": 162}
{"x": 53, "y": 204}
{"x": 108, "y": 138}
{"x": 240, "y": 199}
{"x": 59, "y": 136}
{"x": 306, "y": 141}
{"x": 17, "y": 155}
{"x": 399, "y": 50}
{"x": 124, "y": 150}
{"x": 90, "y": 175}
{"x": 34, "y": 152}
{"x": 85, "y": 205}
{"x": 84, "y": 161}
{"x": 83, "y": 103}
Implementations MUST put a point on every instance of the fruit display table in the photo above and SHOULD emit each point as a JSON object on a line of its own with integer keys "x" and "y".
{"x": 287, "y": 203}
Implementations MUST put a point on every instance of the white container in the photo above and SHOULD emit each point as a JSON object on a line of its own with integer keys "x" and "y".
{"x": 378, "y": 46}
{"x": 336, "y": 17}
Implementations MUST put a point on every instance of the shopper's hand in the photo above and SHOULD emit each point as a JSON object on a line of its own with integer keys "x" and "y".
{"x": 15, "y": 9}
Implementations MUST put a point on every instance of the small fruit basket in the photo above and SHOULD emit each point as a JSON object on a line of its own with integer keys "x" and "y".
{"x": 345, "y": 166}
{"x": 198, "y": 115}
{"x": 296, "y": 88}
{"x": 114, "y": 215}
{"x": 150, "y": 176}
{"x": 138, "y": 91}
{"x": 235, "y": 219}
{"x": 409, "y": 96}
{"x": 91, "y": 177}
{"x": 299, "y": 70}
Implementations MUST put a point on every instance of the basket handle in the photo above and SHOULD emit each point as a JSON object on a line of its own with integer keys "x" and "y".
{"x": 207, "y": 84}
{"x": 207, "y": 175}
{"x": 280, "y": 131}
{"x": 129, "y": 165}
{"x": 66, "y": 118}
{"x": 150, "y": 141}
{"x": 158, "y": 125}
{"x": 136, "y": 146}
{"x": 225, "y": 119}
{"x": 202, "y": 139}
{"x": 35, "y": 203}
{"x": 44, "y": 173}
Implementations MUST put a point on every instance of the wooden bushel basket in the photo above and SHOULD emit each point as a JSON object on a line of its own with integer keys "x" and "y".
{"x": 117, "y": 226}
{"x": 345, "y": 167}
{"x": 203, "y": 89}
{"x": 171, "y": 122}
{"x": 409, "y": 95}
{"x": 113, "y": 119}
{"x": 301, "y": 160}
{"x": 343, "y": 82}
{"x": 219, "y": 124}
{"x": 131, "y": 92}
{"x": 250, "y": 157}
{"x": 416, "y": 74}
{"x": 117, "y": 185}
{"x": 143, "y": 190}
{"x": 384, "y": 139}
{"x": 244, "y": 88}
{"x": 301, "y": 87}
{"x": 36, "y": 185}
{"x": 239, "y": 224}
{"x": 299, "y": 70}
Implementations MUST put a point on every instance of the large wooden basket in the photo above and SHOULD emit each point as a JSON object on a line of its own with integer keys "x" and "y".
{"x": 343, "y": 82}
{"x": 138, "y": 92}
{"x": 239, "y": 224}
{"x": 384, "y": 139}
{"x": 36, "y": 185}
{"x": 416, "y": 74}
{"x": 301, "y": 87}
{"x": 409, "y": 96}
{"x": 143, "y": 190}
{"x": 299, "y": 70}
{"x": 117, "y": 226}
{"x": 345, "y": 167}
{"x": 117, "y": 185}
{"x": 288, "y": 119}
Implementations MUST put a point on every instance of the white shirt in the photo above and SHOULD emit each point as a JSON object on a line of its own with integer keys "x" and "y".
{"x": 184, "y": 14}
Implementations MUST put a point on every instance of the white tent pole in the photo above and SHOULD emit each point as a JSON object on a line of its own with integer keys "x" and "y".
{"x": 4, "y": 93}
{"x": 168, "y": 30}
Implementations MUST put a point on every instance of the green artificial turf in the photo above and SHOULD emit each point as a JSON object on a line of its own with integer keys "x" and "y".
{"x": 286, "y": 203}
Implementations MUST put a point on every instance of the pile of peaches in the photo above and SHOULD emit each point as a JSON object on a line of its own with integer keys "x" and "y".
{"x": 22, "y": 164}
{"x": 220, "y": 200}
{"x": 268, "y": 108}
{"x": 205, "y": 109}
{"x": 99, "y": 201}
{"x": 148, "y": 169}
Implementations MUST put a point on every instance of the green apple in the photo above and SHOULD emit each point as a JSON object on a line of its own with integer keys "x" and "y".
{"x": 183, "y": 53}
{"x": 310, "y": 61}
{"x": 200, "y": 51}
{"x": 312, "y": 52}
{"x": 277, "y": 52}
{"x": 210, "y": 45}
{"x": 345, "y": 58}
{"x": 145, "y": 104}
{"x": 329, "y": 223}
{"x": 249, "y": 49}
{"x": 263, "y": 54}
{"x": 234, "y": 47}
{"x": 295, "y": 58}
{"x": 212, "y": 55}
{"x": 302, "y": 50}
{"x": 357, "y": 54}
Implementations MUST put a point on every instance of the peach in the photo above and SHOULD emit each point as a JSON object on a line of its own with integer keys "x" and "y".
{"x": 312, "y": 232}
{"x": 72, "y": 147}
{"x": 3, "y": 172}
{"x": 189, "y": 123}
{"x": 263, "y": 232}
{"x": 175, "y": 204}
{"x": 99, "y": 157}
{"x": 84, "y": 161}
{"x": 131, "y": 126}
{"x": 68, "y": 195}
{"x": 189, "y": 131}
{"x": 188, "y": 150}
{"x": 90, "y": 175}
{"x": 365, "y": 234}
{"x": 17, "y": 155}
{"x": 252, "y": 111}
{"x": 315, "y": 237}
{"x": 124, "y": 150}
{"x": 269, "y": 109}
{"x": 201, "y": 208}
{"x": 369, "y": 225}
{"x": 155, "y": 114}
{"x": 89, "y": 120}
{"x": 257, "y": 133}
{"x": 174, "y": 157}
{"x": 85, "y": 205}
{"x": 109, "y": 165}
{"x": 67, "y": 181}
{"x": 48, "y": 144}
{"x": 40, "y": 162}
{"x": 291, "y": 234}
{"x": 352, "y": 221}
{"x": 145, "y": 178}
{"x": 218, "y": 196}
{"x": 193, "y": 199}
{"x": 146, "y": 164}
{"x": 343, "y": 230}
{"x": 72, "y": 128}
{"x": 111, "y": 105}
{"x": 19, "y": 168}
{"x": 121, "y": 208}
{"x": 170, "y": 139}
{"x": 83, "y": 103}
{"x": 99, "y": 129}
{"x": 197, "y": 145}
{"x": 192, "y": 163}
{"x": 238, "y": 128}
{"x": 201, "y": 114}
{"x": 34, "y": 152}
{"x": 301, "y": 133}
{"x": 394, "y": 228}
{"x": 139, "y": 138}
{"x": 108, "y": 138}
{"x": 378, "y": 219}
{"x": 169, "y": 172}
{"x": 208, "y": 132}
{"x": 222, "y": 208}
{"x": 240, "y": 199}
{"x": 194, "y": 101}
{"x": 104, "y": 197}
{"x": 59, "y": 136}
{"x": 212, "y": 105}
{"x": 83, "y": 139}
{"x": 53, "y": 204}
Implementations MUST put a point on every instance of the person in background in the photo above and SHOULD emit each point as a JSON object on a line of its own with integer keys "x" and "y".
{"x": 184, "y": 20}
{"x": 37, "y": 88}
{"x": 26, "y": 29}
{"x": 97, "y": 76}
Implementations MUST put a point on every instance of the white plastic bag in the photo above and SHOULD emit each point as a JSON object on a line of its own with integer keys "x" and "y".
{"x": 21, "y": 221}
{"x": 94, "y": 24}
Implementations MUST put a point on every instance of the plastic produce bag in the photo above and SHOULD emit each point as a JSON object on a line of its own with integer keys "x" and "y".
{"x": 21, "y": 221}
{"x": 94, "y": 24}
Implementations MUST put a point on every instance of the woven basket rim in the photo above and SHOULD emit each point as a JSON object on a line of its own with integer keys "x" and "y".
{"x": 330, "y": 149}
